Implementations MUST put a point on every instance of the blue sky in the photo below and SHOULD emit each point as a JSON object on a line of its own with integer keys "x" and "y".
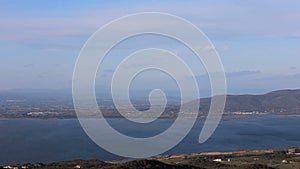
{"x": 258, "y": 40}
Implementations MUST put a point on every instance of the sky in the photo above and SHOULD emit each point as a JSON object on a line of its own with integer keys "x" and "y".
{"x": 258, "y": 41}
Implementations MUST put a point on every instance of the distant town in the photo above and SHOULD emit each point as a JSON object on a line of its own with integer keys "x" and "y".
{"x": 282, "y": 102}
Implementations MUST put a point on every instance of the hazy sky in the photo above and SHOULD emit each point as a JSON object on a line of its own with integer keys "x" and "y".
{"x": 258, "y": 40}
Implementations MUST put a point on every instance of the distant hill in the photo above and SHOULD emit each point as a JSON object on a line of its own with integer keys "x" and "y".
{"x": 282, "y": 101}
{"x": 18, "y": 103}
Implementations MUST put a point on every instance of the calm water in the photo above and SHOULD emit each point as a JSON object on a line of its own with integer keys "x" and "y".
{"x": 36, "y": 140}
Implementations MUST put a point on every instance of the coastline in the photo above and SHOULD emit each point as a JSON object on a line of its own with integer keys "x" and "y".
{"x": 121, "y": 117}
{"x": 264, "y": 159}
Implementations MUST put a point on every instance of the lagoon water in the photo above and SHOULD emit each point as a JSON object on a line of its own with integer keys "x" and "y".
{"x": 38, "y": 140}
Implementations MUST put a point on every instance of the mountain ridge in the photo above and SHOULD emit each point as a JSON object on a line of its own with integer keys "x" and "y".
{"x": 280, "y": 101}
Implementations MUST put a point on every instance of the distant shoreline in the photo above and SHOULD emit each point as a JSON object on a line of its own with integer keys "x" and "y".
{"x": 120, "y": 117}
